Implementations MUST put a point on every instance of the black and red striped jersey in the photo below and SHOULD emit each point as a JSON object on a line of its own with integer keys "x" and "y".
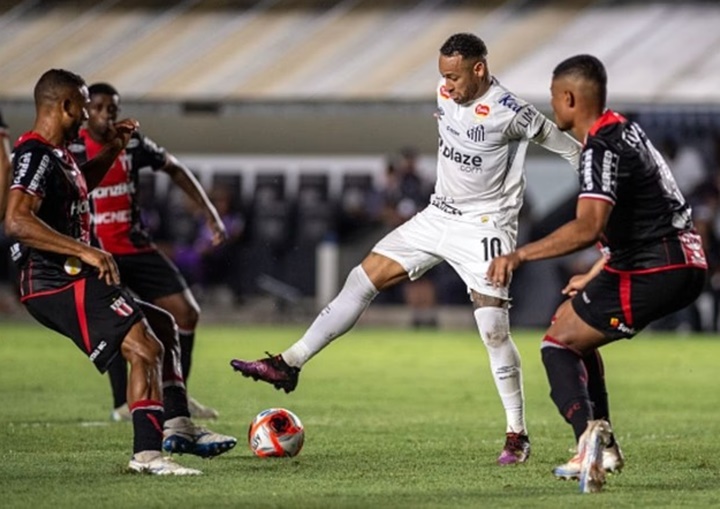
{"x": 49, "y": 172}
{"x": 116, "y": 223}
{"x": 650, "y": 225}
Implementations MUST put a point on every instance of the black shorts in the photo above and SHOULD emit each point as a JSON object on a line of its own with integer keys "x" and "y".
{"x": 621, "y": 304}
{"x": 96, "y": 316}
{"x": 150, "y": 275}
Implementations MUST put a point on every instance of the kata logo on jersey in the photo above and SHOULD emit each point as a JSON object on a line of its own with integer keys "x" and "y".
{"x": 509, "y": 101}
{"x": 482, "y": 110}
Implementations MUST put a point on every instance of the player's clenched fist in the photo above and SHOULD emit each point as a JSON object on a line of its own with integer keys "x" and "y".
{"x": 121, "y": 132}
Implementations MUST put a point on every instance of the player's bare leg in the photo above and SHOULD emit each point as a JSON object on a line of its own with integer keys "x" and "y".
{"x": 144, "y": 353}
{"x": 181, "y": 435}
{"x": 374, "y": 274}
{"x": 491, "y": 316}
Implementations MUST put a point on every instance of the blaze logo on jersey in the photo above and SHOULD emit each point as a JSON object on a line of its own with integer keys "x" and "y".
{"x": 482, "y": 110}
{"x": 121, "y": 307}
{"x": 469, "y": 163}
{"x": 444, "y": 92}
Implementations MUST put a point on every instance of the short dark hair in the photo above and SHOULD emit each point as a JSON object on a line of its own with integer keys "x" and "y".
{"x": 587, "y": 67}
{"x": 54, "y": 83}
{"x": 464, "y": 44}
{"x": 102, "y": 88}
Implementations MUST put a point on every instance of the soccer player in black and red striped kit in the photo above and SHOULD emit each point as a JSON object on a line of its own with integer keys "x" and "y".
{"x": 74, "y": 288}
{"x": 117, "y": 228}
{"x": 653, "y": 263}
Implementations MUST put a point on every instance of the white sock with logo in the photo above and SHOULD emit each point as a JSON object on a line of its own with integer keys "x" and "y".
{"x": 494, "y": 326}
{"x": 336, "y": 319}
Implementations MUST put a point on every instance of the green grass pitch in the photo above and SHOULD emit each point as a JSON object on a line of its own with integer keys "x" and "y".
{"x": 393, "y": 418}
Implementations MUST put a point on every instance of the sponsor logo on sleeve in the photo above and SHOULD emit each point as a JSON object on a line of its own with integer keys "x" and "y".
{"x": 510, "y": 101}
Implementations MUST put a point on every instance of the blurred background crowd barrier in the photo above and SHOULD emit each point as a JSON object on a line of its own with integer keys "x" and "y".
{"x": 310, "y": 123}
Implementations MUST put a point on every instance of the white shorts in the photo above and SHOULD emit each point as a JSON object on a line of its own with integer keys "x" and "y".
{"x": 432, "y": 236}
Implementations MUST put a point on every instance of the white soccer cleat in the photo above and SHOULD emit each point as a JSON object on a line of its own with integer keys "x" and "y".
{"x": 592, "y": 474}
{"x": 200, "y": 411}
{"x": 613, "y": 462}
{"x": 154, "y": 463}
{"x": 121, "y": 414}
{"x": 182, "y": 436}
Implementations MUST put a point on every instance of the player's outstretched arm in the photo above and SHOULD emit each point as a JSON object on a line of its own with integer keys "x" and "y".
{"x": 96, "y": 168}
{"x": 24, "y": 226}
{"x": 186, "y": 181}
{"x": 581, "y": 232}
{"x": 551, "y": 138}
{"x": 530, "y": 124}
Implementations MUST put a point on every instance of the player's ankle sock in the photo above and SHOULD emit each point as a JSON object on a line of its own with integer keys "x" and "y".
{"x": 117, "y": 372}
{"x": 335, "y": 320}
{"x": 148, "y": 421}
{"x": 568, "y": 384}
{"x": 175, "y": 401}
{"x": 187, "y": 343}
{"x": 494, "y": 327}
{"x": 597, "y": 389}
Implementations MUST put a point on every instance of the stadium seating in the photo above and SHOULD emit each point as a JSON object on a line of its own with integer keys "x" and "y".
{"x": 351, "y": 49}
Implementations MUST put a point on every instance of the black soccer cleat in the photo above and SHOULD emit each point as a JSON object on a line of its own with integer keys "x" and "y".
{"x": 273, "y": 370}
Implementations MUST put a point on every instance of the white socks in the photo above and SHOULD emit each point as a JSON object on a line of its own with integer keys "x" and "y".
{"x": 336, "y": 319}
{"x": 494, "y": 326}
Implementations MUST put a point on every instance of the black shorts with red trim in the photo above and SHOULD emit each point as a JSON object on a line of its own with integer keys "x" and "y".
{"x": 620, "y": 304}
{"x": 150, "y": 275}
{"x": 96, "y": 316}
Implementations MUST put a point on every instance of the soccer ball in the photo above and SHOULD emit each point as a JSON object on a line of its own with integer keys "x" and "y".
{"x": 276, "y": 432}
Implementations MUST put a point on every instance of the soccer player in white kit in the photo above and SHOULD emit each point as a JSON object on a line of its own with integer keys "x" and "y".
{"x": 472, "y": 217}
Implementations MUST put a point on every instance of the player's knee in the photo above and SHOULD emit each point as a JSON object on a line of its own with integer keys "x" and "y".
{"x": 493, "y": 325}
{"x": 189, "y": 318}
{"x": 184, "y": 309}
{"x": 142, "y": 347}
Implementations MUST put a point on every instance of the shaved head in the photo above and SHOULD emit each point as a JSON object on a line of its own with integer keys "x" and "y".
{"x": 60, "y": 100}
{"x": 588, "y": 70}
{"x": 56, "y": 85}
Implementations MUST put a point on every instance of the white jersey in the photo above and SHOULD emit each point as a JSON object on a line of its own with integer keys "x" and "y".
{"x": 481, "y": 154}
